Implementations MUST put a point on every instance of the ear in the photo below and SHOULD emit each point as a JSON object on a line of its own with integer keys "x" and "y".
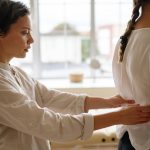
{"x": 1, "y": 34}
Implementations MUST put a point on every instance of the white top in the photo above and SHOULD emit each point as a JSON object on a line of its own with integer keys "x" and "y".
{"x": 31, "y": 115}
{"x": 132, "y": 80}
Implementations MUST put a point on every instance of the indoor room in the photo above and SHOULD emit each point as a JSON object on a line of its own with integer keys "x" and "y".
{"x": 75, "y": 42}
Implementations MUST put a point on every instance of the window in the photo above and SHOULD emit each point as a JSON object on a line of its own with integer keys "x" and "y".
{"x": 70, "y": 33}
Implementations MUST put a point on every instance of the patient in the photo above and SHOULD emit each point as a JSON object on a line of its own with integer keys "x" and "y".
{"x": 132, "y": 74}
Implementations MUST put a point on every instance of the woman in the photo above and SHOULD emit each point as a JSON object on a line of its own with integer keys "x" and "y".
{"x": 30, "y": 114}
{"x": 132, "y": 74}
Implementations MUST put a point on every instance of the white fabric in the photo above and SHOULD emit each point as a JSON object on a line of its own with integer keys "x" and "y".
{"x": 132, "y": 80}
{"x": 31, "y": 115}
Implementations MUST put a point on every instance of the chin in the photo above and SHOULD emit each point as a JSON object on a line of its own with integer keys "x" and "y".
{"x": 21, "y": 56}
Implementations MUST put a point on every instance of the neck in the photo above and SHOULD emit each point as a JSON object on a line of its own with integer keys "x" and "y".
{"x": 5, "y": 57}
{"x": 144, "y": 21}
{"x": 3, "y": 60}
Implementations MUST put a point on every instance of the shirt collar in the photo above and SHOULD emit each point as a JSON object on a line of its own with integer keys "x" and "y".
{"x": 5, "y": 66}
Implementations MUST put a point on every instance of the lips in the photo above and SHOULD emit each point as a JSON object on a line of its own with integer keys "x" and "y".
{"x": 27, "y": 49}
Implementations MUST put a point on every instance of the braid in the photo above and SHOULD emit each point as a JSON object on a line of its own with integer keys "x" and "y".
{"x": 125, "y": 37}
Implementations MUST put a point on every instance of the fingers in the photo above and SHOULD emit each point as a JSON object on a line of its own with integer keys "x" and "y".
{"x": 138, "y": 107}
{"x": 136, "y": 114}
{"x": 144, "y": 119}
{"x": 145, "y": 108}
{"x": 143, "y": 113}
{"x": 141, "y": 122}
{"x": 130, "y": 105}
{"x": 130, "y": 101}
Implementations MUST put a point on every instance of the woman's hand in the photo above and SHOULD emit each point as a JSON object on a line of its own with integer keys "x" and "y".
{"x": 112, "y": 102}
{"x": 129, "y": 115}
{"x": 118, "y": 101}
{"x": 135, "y": 115}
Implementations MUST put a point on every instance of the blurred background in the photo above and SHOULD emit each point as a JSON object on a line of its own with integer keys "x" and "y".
{"x": 69, "y": 34}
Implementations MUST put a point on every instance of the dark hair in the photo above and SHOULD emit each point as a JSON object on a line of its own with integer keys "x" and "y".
{"x": 125, "y": 37}
{"x": 10, "y": 12}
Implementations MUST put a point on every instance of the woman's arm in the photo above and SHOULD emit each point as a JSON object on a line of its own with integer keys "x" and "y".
{"x": 128, "y": 116}
{"x": 58, "y": 101}
{"x": 98, "y": 103}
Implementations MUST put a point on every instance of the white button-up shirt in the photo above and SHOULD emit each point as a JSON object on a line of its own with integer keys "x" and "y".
{"x": 31, "y": 115}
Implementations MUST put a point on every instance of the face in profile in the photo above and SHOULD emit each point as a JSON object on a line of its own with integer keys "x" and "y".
{"x": 18, "y": 40}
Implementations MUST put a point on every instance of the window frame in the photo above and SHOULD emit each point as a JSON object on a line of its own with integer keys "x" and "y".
{"x": 36, "y": 61}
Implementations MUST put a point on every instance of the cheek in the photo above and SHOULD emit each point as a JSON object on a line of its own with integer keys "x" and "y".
{"x": 14, "y": 46}
{"x": 19, "y": 42}
{"x": 15, "y": 42}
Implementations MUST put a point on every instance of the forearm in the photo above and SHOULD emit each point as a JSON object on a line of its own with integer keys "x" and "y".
{"x": 127, "y": 116}
{"x": 106, "y": 120}
{"x": 112, "y": 102}
{"x": 95, "y": 103}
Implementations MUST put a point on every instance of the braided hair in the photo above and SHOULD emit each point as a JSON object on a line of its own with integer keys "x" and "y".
{"x": 125, "y": 37}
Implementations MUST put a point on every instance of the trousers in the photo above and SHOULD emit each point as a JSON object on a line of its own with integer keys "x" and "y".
{"x": 124, "y": 143}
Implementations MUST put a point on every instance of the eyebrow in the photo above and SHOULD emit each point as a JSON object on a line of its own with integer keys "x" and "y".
{"x": 27, "y": 28}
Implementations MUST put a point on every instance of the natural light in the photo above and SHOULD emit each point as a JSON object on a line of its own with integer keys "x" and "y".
{"x": 74, "y": 36}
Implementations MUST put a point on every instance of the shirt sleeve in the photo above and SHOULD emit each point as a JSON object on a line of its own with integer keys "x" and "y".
{"x": 25, "y": 115}
{"x": 62, "y": 102}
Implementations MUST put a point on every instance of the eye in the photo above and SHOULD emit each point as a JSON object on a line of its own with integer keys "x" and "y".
{"x": 25, "y": 32}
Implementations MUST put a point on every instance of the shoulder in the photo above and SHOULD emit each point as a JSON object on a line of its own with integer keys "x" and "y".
{"x": 22, "y": 74}
{"x": 143, "y": 34}
{"x": 6, "y": 84}
{"x": 19, "y": 70}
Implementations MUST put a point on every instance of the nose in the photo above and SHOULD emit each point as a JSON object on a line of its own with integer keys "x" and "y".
{"x": 30, "y": 39}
